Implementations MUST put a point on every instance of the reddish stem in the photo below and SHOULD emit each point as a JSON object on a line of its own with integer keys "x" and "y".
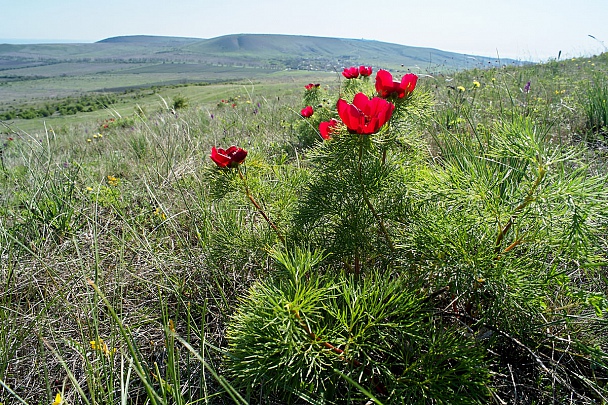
{"x": 259, "y": 208}
{"x": 378, "y": 385}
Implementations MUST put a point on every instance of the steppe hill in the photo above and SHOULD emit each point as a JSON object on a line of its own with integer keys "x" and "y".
{"x": 44, "y": 80}
{"x": 116, "y": 63}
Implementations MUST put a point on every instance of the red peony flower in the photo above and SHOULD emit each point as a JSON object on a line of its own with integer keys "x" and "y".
{"x": 230, "y": 157}
{"x": 307, "y": 111}
{"x": 351, "y": 72}
{"x": 311, "y": 86}
{"x": 365, "y": 116}
{"x": 326, "y": 128}
{"x": 365, "y": 71}
{"x": 386, "y": 87}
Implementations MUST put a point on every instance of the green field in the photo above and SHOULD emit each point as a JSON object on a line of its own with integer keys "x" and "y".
{"x": 453, "y": 254}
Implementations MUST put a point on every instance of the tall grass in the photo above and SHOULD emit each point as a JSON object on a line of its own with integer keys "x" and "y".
{"x": 595, "y": 105}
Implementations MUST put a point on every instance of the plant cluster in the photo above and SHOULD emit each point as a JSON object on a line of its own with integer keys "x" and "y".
{"x": 478, "y": 244}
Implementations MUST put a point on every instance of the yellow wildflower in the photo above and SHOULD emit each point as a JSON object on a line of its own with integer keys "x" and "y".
{"x": 476, "y": 84}
{"x": 58, "y": 399}
{"x": 89, "y": 188}
{"x": 94, "y": 136}
{"x": 101, "y": 346}
{"x": 160, "y": 213}
{"x": 88, "y": 139}
{"x": 461, "y": 88}
{"x": 113, "y": 181}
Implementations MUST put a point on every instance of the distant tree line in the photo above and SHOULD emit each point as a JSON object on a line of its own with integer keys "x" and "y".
{"x": 66, "y": 106}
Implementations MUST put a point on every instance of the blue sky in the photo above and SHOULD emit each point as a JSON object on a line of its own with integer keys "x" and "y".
{"x": 521, "y": 29}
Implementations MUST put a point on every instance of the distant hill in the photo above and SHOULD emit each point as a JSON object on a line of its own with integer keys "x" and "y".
{"x": 250, "y": 50}
{"x": 306, "y": 52}
{"x": 149, "y": 40}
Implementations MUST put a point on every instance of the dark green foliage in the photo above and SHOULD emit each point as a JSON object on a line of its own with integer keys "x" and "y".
{"x": 294, "y": 333}
{"x": 66, "y": 106}
{"x": 504, "y": 220}
{"x": 179, "y": 102}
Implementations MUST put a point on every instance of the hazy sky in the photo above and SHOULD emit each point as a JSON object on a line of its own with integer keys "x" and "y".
{"x": 521, "y": 29}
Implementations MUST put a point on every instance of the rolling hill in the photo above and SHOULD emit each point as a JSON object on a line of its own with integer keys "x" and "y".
{"x": 253, "y": 50}
{"x": 33, "y": 74}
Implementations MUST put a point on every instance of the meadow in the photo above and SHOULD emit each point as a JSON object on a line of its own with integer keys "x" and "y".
{"x": 455, "y": 253}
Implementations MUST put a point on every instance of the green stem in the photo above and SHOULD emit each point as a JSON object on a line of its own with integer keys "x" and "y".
{"x": 367, "y": 200}
{"x": 529, "y": 198}
{"x": 259, "y": 208}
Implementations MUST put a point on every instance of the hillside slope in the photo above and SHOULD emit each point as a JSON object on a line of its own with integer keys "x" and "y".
{"x": 255, "y": 50}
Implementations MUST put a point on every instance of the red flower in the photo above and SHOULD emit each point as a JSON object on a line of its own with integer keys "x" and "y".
{"x": 351, "y": 72}
{"x": 311, "y": 86}
{"x": 365, "y": 71}
{"x": 230, "y": 157}
{"x": 326, "y": 128}
{"x": 386, "y": 87}
{"x": 307, "y": 111}
{"x": 365, "y": 116}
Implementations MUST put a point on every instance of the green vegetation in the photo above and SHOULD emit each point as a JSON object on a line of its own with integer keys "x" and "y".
{"x": 67, "y": 106}
{"x": 455, "y": 256}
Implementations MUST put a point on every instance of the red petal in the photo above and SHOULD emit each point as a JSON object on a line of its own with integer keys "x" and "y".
{"x": 307, "y": 111}
{"x": 343, "y": 111}
{"x": 229, "y": 151}
{"x": 384, "y": 83}
{"x": 325, "y": 130}
{"x": 408, "y": 83}
{"x": 361, "y": 101}
{"x": 365, "y": 70}
{"x": 238, "y": 156}
{"x": 351, "y": 72}
{"x": 219, "y": 158}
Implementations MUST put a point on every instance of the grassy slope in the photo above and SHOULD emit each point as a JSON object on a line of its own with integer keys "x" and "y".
{"x": 155, "y": 243}
{"x": 266, "y": 82}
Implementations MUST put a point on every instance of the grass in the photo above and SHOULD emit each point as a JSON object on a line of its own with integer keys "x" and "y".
{"x": 134, "y": 271}
{"x": 278, "y": 83}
